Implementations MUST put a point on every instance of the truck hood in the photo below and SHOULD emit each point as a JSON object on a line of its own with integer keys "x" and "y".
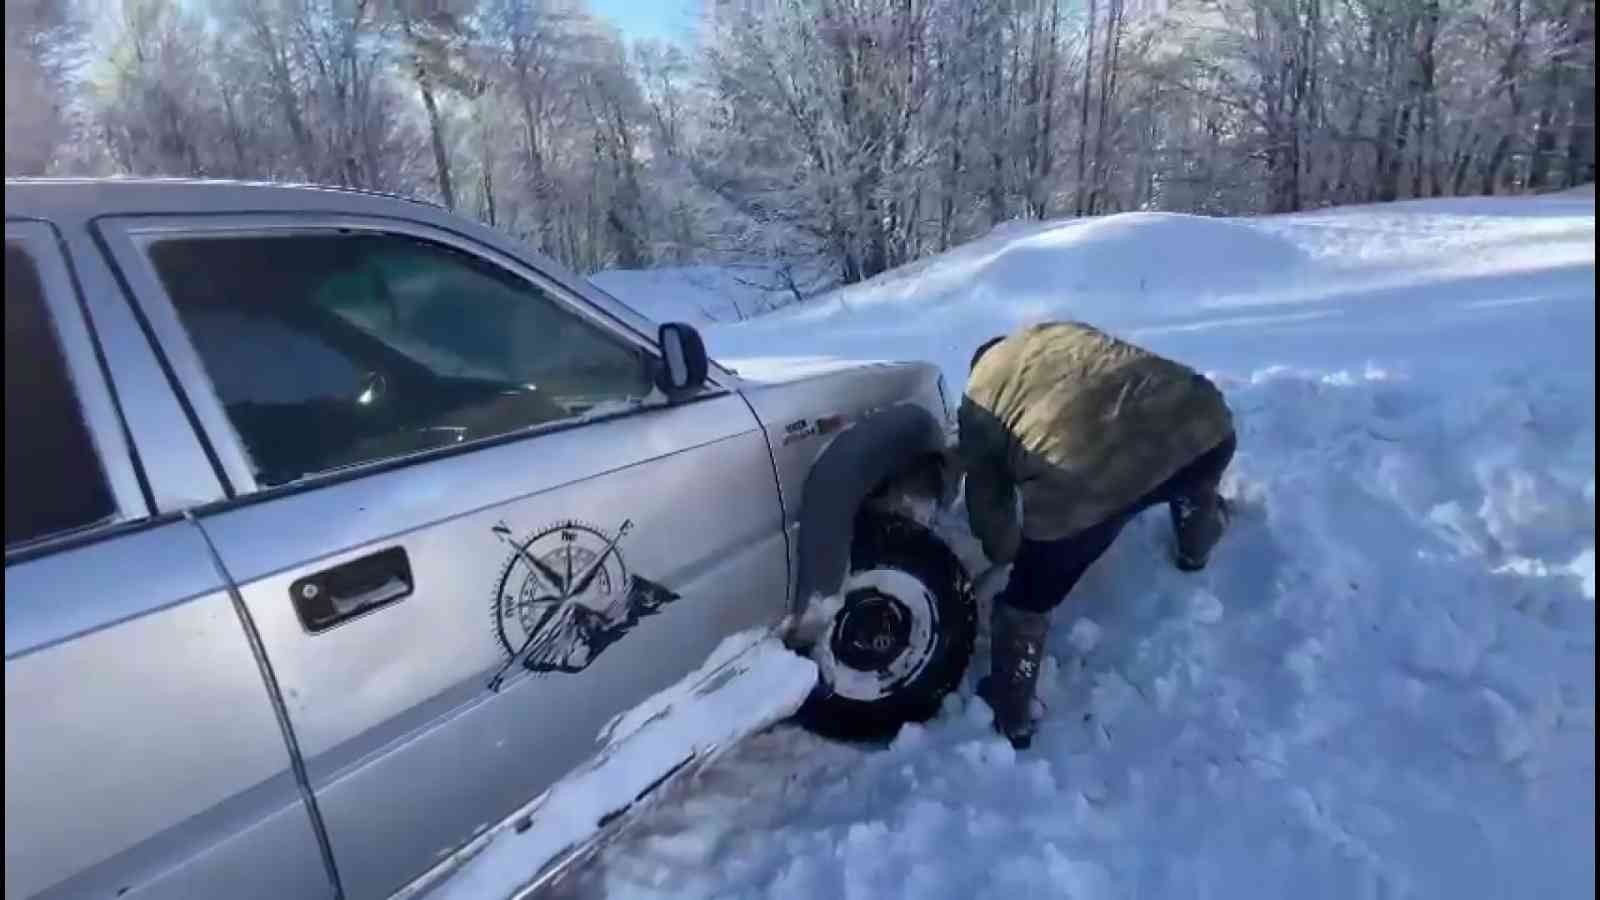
{"x": 784, "y": 369}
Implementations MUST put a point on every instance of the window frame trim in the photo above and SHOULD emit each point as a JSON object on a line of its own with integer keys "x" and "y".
{"x": 80, "y": 361}
{"x": 127, "y": 237}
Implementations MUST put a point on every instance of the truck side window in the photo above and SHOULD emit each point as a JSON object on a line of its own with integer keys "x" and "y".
{"x": 330, "y": 348}
{"x": 54, "y": 482}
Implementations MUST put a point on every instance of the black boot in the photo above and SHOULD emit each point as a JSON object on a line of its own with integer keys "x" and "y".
{"x": 1198, "y": 523}
{"x": 1016, "y": 647}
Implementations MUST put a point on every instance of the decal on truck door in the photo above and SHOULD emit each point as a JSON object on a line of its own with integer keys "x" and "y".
{"x": 565, "y": 595}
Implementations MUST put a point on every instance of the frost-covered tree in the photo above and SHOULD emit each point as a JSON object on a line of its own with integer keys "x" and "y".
{"x": 811, "y": 142}
{"x": 41, "y": 39}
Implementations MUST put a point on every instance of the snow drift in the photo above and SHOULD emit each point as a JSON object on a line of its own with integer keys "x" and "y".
{"x": 1383, "y": 686}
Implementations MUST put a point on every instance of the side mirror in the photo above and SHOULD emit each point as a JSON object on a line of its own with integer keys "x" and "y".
{"x": 683, "y": 361}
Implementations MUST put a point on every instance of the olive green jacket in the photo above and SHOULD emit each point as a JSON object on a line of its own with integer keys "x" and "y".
{"x": 1083, "y": 424}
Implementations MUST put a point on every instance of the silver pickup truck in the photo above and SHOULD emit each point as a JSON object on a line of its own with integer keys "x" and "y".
{"x": 338, "y": 526}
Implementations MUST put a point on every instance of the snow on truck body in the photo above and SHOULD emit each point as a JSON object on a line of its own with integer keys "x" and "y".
{"x": 340, "y": 528}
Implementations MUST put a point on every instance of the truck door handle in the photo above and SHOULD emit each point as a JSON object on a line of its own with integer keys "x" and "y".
{"x": 351, "y": 589}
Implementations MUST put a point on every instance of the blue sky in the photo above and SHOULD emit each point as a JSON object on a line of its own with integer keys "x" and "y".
{"x": 662, "y": 20}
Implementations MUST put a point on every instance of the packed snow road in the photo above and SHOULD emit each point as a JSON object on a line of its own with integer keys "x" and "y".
{"x": 1384, "y": 684}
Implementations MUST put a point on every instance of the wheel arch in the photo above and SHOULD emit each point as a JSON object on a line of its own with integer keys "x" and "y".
{"x": 900, "y": 445}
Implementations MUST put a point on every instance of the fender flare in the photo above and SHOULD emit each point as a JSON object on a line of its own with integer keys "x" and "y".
{"x": 859, "y": 460}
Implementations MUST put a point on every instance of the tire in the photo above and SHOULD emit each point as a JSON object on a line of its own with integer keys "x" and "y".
{"x": 901, "y": 639}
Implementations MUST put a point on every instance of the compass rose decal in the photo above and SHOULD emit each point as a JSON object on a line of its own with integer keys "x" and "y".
{"x": 565, "y": 595}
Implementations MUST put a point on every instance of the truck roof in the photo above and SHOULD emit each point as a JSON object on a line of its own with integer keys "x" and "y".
{"x": 74, "y": 203}
{"x": 56, "y": 198}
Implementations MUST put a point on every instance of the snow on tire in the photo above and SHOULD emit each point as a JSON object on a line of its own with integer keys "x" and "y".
{"x": 901, "y": 638}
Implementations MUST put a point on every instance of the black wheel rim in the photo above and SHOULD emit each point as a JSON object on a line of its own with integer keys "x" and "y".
{"x": 873, "y": 629}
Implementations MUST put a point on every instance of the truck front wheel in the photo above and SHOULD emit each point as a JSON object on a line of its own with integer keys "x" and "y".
{"x": 901, "y": 638}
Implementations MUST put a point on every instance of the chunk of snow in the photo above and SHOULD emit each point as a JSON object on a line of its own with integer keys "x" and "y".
{"x": 1085, "y": 635}
{"x": 1583, "y": 567}
{"x": 1205, "y": 608}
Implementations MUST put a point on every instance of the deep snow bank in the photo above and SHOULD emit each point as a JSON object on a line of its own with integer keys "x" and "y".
{"x": 1384, "y": 685}
{"x": 1325, "y": 288}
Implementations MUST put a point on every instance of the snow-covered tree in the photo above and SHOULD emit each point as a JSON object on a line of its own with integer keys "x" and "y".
{"x": 814, "y": 141}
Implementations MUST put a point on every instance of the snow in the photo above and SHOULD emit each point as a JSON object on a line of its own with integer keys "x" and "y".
{"x": 698, "y": 295}
{"x": 1383, "y": 686}
{"x": 1084, "y": 635}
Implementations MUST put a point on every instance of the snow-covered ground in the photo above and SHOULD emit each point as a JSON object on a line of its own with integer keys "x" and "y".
{"x": 1383, "y": 687}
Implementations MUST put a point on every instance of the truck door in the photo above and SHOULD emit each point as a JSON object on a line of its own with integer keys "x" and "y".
{"x": 442, "y": 458}
{"x": 143, "y": 757}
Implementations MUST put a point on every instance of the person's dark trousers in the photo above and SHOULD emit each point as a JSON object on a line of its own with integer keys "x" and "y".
{"x": 1044, "y": 572}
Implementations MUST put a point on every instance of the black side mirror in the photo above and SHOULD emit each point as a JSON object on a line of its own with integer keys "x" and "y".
{"x": 683, "y": 361}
